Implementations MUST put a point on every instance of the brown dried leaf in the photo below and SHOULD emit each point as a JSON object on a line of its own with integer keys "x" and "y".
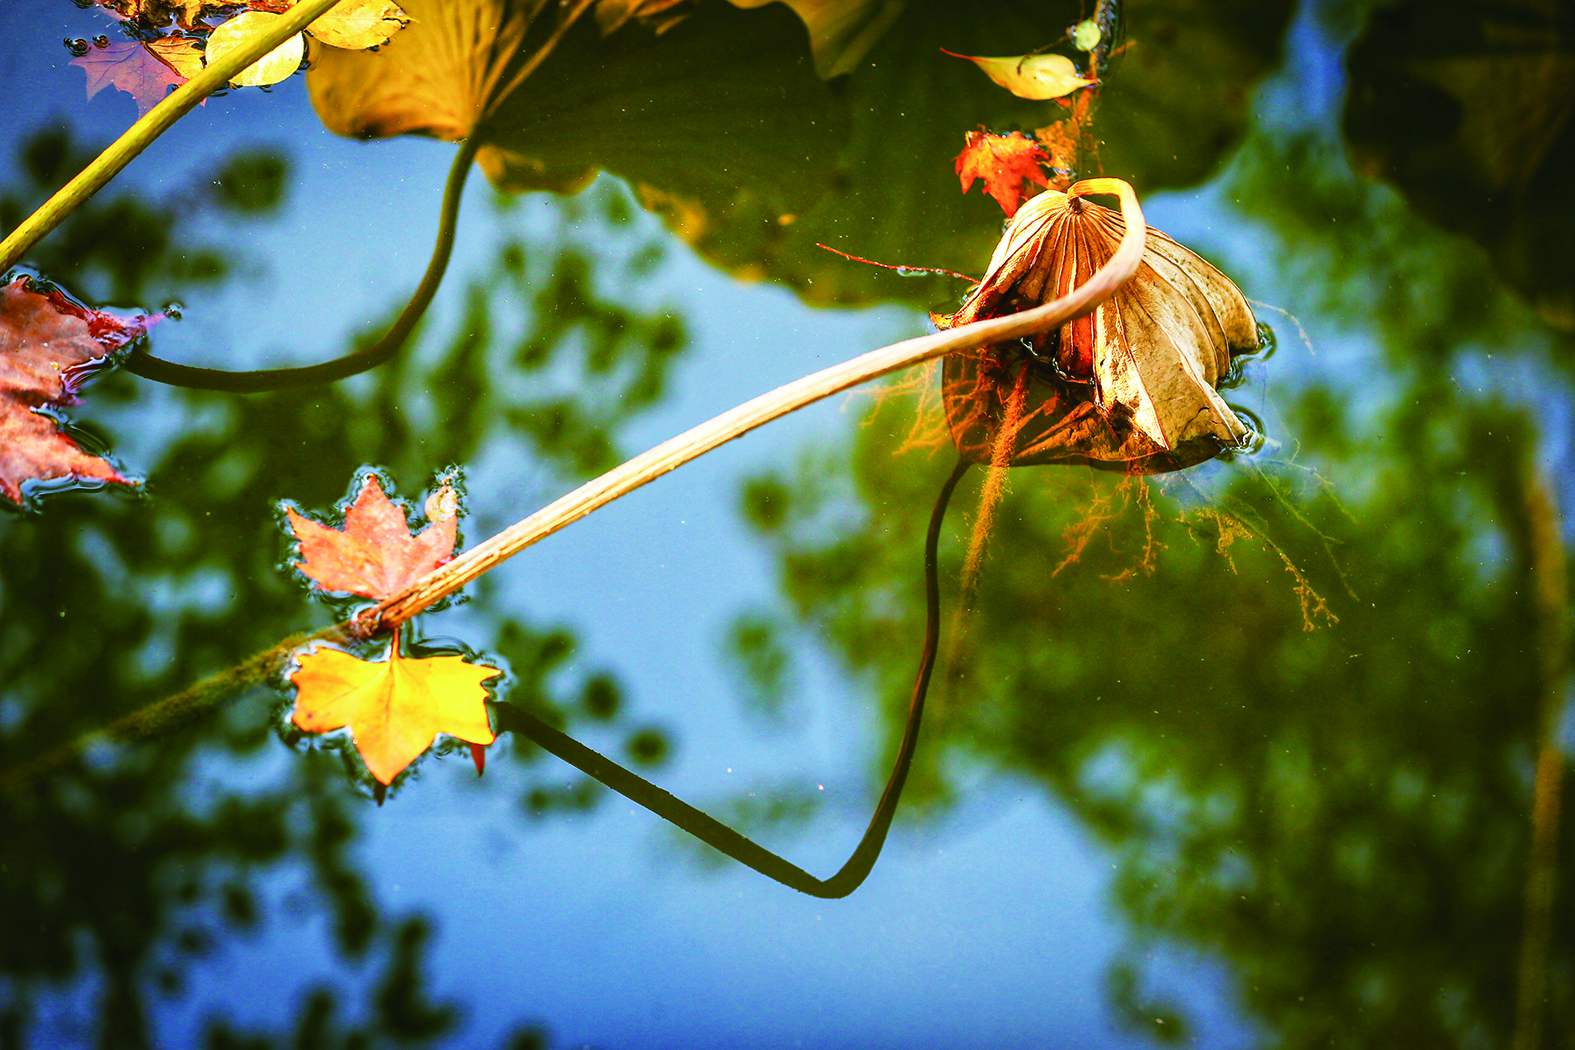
{"x": 1131, "y": 386}
{"x": 49, "y": 346}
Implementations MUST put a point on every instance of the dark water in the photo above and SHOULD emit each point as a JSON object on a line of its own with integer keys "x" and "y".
{"x": 1244, "y": 756}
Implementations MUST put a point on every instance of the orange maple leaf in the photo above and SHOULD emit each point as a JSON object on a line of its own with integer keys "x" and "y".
{"x": 396, "y": 708}
{"x": 145, "y": 71}
{"x": 1004, "y": 162}
{"x": 375, "y": 555}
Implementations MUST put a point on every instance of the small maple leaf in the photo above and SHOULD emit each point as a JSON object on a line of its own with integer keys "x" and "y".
{"x": 49, "y": 346}
{"x": 145, "y": 71}
{"x": 375, "y": 555}
{"x": 395, "y": 708}
{"x": 1004, "y": 162}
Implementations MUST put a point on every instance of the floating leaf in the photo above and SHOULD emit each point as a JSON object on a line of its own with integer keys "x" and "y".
{"x": 145, "y": 71}
{"x": 435, "y": 78}
{"x": 395, "y": 708}
{"x": 1032, "y": 76}
{"x": 1086, "y": 35}
{"x": 1131, "y": 386}
{"x": 375, "y": 555}
{"x": 1004, "y": 162}
{"x": 49, "y": 346}
{"x": 359, "y": 24}
{"x": 273, "y": 67}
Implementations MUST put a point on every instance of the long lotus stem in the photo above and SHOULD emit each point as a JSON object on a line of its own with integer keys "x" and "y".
{"x": 721, "y": 837}
{"x": 157, "y": 121}
{"x": 675, "y": 452}
{"x": 665, "y": 457}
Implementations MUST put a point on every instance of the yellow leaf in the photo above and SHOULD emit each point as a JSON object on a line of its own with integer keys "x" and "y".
{"x": 273, "y": 67}
{"x": 434, "y": 78}
{"x": 395, "y": 708}
{"x": 179, "y": 53}
{"x": 1032, "y": 76}
{"x": 359, "y": 24}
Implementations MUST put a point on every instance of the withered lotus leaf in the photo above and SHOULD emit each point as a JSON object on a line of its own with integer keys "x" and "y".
{"x": 1131, "y": 386}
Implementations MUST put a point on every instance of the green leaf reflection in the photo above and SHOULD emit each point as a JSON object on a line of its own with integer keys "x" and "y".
{"x": 123, "y": 869}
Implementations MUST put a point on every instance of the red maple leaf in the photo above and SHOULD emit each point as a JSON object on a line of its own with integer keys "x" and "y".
{"x": 145, "y": 71}
{"x": 1004, "y": 162}
{"x": 375, "y": 555}
{"x": 49, "y": 346}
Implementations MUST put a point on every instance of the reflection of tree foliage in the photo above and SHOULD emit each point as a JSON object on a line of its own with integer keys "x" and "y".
{"x": 1357, "y": 255}
{"x": 1467, "y": 108}
{"x": 1342, "y": 812}
{"x": 127, "y": 869}
{"x": 106, "y": 246}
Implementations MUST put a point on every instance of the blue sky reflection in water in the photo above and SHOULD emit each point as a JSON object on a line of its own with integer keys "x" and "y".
{"x": 1000, "y": 915}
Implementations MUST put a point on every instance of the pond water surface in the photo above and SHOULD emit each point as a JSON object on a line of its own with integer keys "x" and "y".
{"x": 1241, "y": 756}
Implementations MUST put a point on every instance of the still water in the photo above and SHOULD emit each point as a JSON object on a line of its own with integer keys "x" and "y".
{"x": 1242, "y": 756}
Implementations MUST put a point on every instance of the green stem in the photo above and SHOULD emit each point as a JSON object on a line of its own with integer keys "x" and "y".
{"x": 723, "y": 838}
{"x": 184, "y": 708}
{"x": 264, "y": 379}
{"x": 158, "y": 120}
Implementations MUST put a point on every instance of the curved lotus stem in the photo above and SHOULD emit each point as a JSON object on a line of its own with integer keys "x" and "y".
{"x": 263, "y": 379}
{"x": 675, "y": 452}
{"x": 723, "y": 838}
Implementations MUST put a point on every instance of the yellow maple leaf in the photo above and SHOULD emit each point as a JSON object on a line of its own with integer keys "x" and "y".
{"x": 396, "y": 708}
